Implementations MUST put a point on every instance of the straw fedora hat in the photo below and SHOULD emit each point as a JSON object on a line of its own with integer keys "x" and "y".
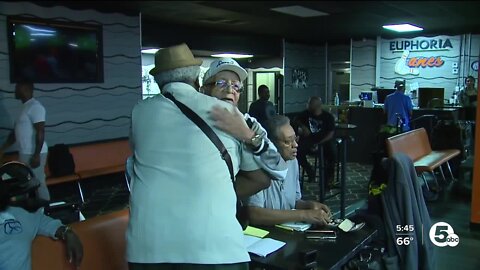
{"x": 177, "y": 56}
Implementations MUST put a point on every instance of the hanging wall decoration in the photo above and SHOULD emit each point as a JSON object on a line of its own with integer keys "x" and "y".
{"x": 299, "y": 78}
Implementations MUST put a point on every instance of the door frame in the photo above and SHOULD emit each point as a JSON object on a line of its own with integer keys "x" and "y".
{"x": 277, "y": 97}
{"x": 330, "y": 72}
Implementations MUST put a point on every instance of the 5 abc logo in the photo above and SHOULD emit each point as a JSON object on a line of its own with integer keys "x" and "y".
{"x": 442, "y": 235}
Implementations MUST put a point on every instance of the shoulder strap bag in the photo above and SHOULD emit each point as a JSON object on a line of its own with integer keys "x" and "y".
{"x": 242, "y": 213}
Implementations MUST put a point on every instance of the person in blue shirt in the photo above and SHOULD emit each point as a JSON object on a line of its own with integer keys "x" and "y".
{"x": 22, "y": 219}
{"x": 398, "y": 108}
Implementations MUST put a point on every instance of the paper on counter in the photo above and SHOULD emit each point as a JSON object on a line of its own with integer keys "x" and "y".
{"x": 255, "y": 232}
{"x": 297, "y": 226}
{"x": 346, "y": 225}
{"x": 414, "y": 86}
{"x": 262, "y": 247}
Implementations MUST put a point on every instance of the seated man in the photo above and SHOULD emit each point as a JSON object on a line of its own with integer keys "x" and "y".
{"x": 274, "y": 205}
{"x": 21, "y": 219}
{"x": 316, "y": 126}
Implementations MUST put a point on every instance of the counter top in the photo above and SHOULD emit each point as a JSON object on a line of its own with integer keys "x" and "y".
{"x": 445, "y": 109}
{"x": 379, "y": 105}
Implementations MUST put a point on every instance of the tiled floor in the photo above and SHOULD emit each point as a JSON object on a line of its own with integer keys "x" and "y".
{"x": 109, "y": 193}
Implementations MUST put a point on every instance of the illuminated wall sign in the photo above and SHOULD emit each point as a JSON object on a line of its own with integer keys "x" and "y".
{"x": 419, "y": 45}
{"x": 423, "y": 62}
{"x": 409, "y": 66}
{"x": 428, "y": 61}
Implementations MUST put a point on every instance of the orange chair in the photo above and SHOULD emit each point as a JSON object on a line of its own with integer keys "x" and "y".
{"x": 415, "y": 144}
{"x": 103, "y": 239}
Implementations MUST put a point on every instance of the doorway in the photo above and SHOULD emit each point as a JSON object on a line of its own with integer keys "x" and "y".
{"x": 339, "y": 81}
{"x": 273, "y": 80}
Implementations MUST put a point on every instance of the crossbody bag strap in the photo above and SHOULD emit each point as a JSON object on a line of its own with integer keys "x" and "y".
{"x": 207, "y": 130}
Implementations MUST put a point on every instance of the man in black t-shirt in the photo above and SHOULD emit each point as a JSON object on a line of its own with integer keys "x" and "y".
{"x": 316, "y": 126}
{"x": 262, "y": 109}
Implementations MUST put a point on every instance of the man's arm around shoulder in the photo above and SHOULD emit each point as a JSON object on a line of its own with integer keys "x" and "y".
{"x": 248, "y": 183}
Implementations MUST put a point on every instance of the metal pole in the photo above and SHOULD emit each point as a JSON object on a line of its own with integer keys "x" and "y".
{"x": 321, "y": 176}
{"x": 344, "y": 176}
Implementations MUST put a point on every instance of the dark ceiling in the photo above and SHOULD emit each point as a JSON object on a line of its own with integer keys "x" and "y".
{"x": 207, "y": 23}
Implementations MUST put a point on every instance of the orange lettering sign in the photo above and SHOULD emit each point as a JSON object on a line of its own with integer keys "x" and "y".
{"x": 424, "y": 62}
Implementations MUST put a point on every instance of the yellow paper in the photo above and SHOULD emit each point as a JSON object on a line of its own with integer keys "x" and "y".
{"x": 255, "y": 232}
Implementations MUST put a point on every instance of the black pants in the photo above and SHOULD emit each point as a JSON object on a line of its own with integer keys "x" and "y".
{"x": 186, "y": 266}
{"x": 305, "y": 146}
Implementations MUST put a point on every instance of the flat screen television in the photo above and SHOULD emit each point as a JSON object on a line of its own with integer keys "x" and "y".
{"x": 49, "y": 51}
{"x": 382, "y": 93}
{"x": 430, "y": 97}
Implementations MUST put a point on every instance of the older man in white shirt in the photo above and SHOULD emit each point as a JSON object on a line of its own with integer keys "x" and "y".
{"x": 183, "y": 203}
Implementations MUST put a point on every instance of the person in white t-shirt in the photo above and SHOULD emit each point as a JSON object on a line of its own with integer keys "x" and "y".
{"x": 29, "y": 134}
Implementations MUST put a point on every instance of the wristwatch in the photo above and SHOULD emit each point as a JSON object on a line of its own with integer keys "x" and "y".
{"x": 64, "y": 232}
{"x": 256, "y": 141}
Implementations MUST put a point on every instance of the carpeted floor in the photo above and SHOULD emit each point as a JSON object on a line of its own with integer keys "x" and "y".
{"x": 356, "y": 191}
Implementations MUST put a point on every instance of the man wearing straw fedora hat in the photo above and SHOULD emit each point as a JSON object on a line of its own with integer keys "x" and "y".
{"x": 183, "y": 203}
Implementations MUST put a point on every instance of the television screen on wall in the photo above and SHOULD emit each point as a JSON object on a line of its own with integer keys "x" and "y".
{"x": 382, "y": 94}
{"x": 48, "y": 51}
{"x": 429, "y": 97}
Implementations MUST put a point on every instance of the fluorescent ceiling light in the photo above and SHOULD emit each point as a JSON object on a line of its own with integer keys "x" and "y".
{"x": 42, "y": 34}
{"x": 299, "y": 11}
{"x": 402, "y": 27}
{"x": 233, "y": 55}
{"x": 150, "y": 51}
{"x": 33, "y": 29}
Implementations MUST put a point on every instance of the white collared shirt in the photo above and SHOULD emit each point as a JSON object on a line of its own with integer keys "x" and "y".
{"x": 32, "y": 112}
{"x": 182, "y": 204}
{"x": 282, "y": 194}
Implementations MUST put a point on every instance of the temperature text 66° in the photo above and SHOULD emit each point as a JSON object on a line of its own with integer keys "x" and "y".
{"x": 404, "y": 240}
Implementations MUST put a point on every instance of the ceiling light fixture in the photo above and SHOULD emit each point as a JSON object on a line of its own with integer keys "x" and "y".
{"x": 299, "y": 11}
{"x": 406, "y": 27}
{"x": 149, "y": 51}
{"x": 232, "y": 55}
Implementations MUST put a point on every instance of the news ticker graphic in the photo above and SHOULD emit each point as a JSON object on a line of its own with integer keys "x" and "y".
{"x": 441, "y": 234}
